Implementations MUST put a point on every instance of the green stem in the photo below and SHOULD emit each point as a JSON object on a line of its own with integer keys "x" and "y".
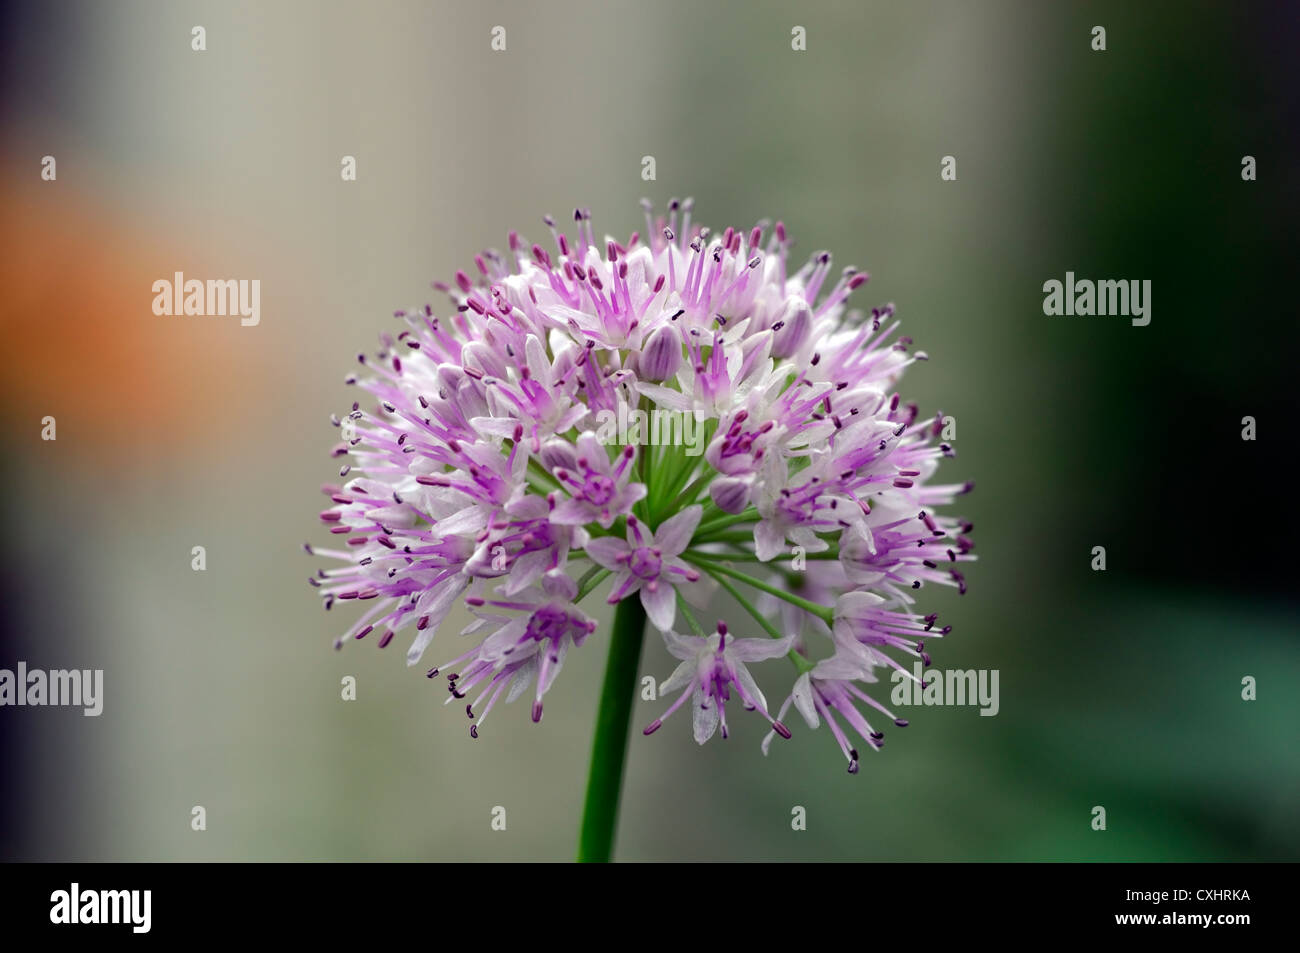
{"x": 535, "y": 469}
{"x": 824, "y": 613}
{"x": 590, "y": 580}
{"x": 706, "y": 529}
{"x": 677, "y": 493}
{"x": 741, "y": 536}
{"x": 764, "y": 623}
{"x": 609, "y": 750}
{"x": 688, "y": 494}
{"x": 688, "y": 614}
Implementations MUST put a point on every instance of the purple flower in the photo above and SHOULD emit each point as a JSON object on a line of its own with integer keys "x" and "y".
{"x": 598, "y": 490}
{"x": 710, "y": 668}
{"x": 477, "y": 472}
{"x": 648, "y": 562}
{"x": 828, "y": 689}
{"x": 865, "y": 624}
{"x": 522, "y": 648}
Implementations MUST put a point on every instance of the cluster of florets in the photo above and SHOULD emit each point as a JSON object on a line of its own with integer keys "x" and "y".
{"x": 661, "y": 419}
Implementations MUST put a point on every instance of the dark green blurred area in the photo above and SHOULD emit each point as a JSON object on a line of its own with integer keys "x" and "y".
{"x": 1120, "y": 689}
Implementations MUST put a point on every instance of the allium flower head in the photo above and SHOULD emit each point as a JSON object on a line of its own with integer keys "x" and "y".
{"x": 672, "y": 418}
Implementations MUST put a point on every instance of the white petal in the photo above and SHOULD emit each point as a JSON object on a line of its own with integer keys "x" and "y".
{"x": 660, "y": 604}
{"x": 557, "y": 583}
{"x": 538, "y": 363}
{"x": 529, "y": 507}
{"x": 501, "y": 426}
{"x": 507, "y": 637}
{"x": 632, "y": 493}
{"x": 857, "y": 542}
{"x": 808, "y": 539}
{"x": 674, "y": 535}
{"x": 590, "y": 448}
{"x": 527, "y": 569}
{"x": 605, "y": 550}
{"x": 856, "y": 603}
{"x": 466, "y": 522}
{"x": 769, "y": 540}
{"x": 571, "y": 513}
{"x": 746, "y": 681}
{"x": 844, "y": 668}
{"x": 758, "y": 650}
{"x": 680, "y": 678}
{"x": 519, "y": 681}
{"x": 803, "y": 700}
{"x": 686, "y": 647}
{"x": 436, "y": 611}
{"x": 570, "y": 418}
{"x": 861, "y": 577}
{"x": 665, "y": 397}
{"x": 704, "y": 716}
{"x": 553, "y": 669}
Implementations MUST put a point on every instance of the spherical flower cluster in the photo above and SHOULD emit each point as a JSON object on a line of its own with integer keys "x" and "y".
{"x": 673, "y": 419}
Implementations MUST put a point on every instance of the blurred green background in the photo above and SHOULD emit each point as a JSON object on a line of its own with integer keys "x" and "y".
{"x": 1119, "y": 688}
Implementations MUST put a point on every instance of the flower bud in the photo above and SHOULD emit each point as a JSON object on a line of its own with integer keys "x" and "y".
{"x": 731, "y": 494}
{"x": 558, "y": 453}
{"x": 662, "y": 354}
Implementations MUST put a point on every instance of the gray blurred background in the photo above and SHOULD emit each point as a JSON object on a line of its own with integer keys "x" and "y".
{"x": 1119, "y": 688}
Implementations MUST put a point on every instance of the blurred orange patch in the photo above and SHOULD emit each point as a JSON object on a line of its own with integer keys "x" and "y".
{"x": 82, "y": 342}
